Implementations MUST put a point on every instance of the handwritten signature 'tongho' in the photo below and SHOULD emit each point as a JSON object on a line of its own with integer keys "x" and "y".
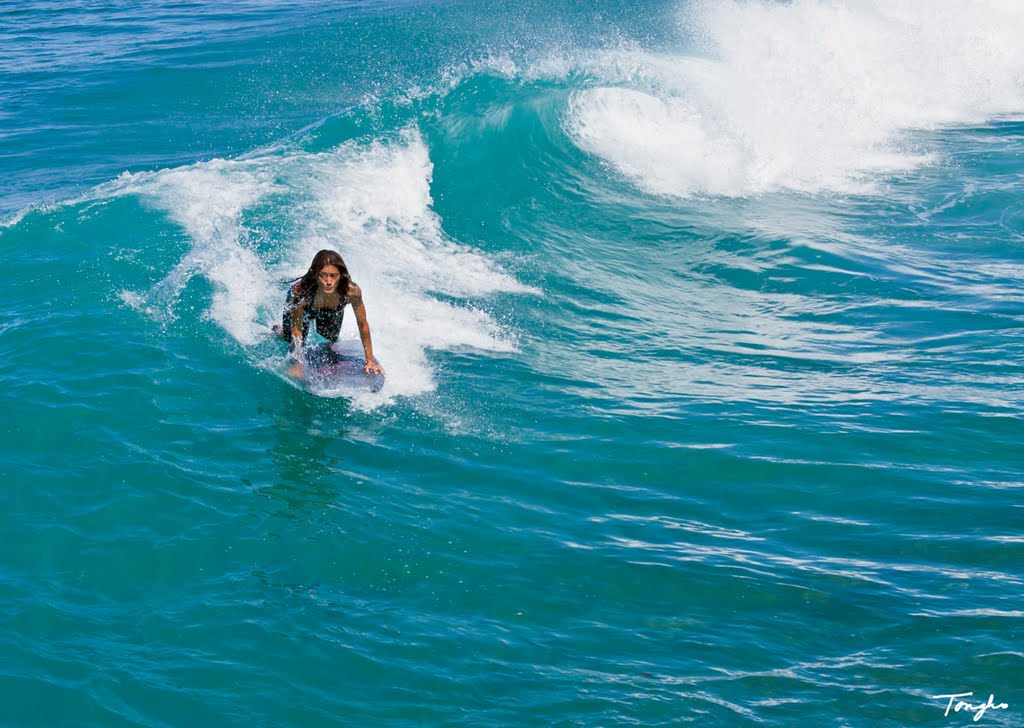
{"x": 957, "y": 705}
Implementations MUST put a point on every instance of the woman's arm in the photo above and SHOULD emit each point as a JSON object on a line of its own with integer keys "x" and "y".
{"x": 355, "y": 297}
{"x": 298, "y": 309}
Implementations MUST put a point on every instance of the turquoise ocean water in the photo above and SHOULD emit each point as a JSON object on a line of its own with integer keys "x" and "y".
{"x": 704, "y": 330}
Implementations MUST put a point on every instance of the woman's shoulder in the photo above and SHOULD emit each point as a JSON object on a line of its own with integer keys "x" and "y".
{"x": 297, "y": 298}
{"x": 354, "y": 292}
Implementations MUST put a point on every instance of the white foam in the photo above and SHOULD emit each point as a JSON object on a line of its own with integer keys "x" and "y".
{"x": 812, "y": 95}
{"x": 15, "y": 217}
{"x": 207, "y": 200}
{"x": 371, "y": 202}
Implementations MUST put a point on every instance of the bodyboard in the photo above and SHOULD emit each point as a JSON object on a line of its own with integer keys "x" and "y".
{"x": 327, "y": 370}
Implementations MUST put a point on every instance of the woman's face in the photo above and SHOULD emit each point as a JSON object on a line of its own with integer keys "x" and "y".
{"x": 327, "y": 279}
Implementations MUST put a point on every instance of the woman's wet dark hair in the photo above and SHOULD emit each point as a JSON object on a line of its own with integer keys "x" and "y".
{"x": 307, "y": 284}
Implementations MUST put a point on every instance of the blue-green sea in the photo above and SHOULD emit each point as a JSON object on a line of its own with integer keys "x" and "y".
{"x": 703, "y": 324}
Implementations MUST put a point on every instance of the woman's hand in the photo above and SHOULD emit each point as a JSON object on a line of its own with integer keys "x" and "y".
{"x": 372, "y": 367}
{"x": 297, "y": 370}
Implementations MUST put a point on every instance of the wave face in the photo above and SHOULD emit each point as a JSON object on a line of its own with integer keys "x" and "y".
{"x": 702, "y": 324}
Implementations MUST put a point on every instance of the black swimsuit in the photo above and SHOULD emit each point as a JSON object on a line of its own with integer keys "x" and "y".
{"x": 328, "y": 321}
